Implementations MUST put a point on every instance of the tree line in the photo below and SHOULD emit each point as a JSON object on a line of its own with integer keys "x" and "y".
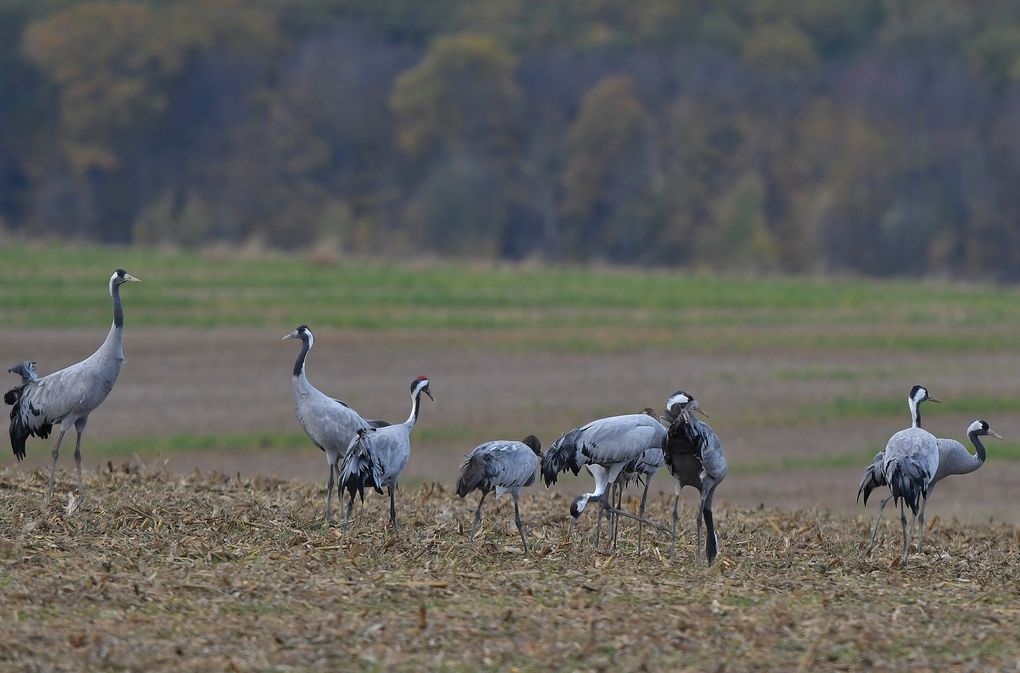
{"x": 868, "y": 136}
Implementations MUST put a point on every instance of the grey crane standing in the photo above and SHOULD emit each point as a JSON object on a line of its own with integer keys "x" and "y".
{"x": 68, "y": 396}
{"x": 605, "y": 446}
{"x": 503, "y": 466}
{"x": 376, "y": 456}
{"x": 909, "y": 463}
{"x": 874, "y": 476}
{"x": 694, "y": 456}
{"x": 331, "y": 424}
{"x": 954, "y": 458}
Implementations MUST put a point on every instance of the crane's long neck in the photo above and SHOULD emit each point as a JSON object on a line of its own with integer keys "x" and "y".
{"x": 915, "y": 412}
{"x": 299, "y": 364}
{"x": 113, "y": 347}
{"x": 975, "y": 439}
{"x": 415, "y": 405}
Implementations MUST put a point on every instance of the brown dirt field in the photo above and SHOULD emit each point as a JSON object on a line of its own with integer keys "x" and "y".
{"x": 206, "y": 382}
{"x": 159, "y": 572}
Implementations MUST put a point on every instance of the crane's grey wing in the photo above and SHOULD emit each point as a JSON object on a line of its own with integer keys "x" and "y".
{"x": 874, "y": 477}
{"x": 910, "y": 461}
{"x": 954, "y": 458}
{"x": 331, "y": 424}
{"x": 619, "y": 439}
{"x": 390, "y": 447}
{"x": 713, "y": 460}
{"x": 513, "y": 466}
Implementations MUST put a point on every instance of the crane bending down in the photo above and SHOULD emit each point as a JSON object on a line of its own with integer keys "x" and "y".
{"x": 954, "y": 458}
{"x": 331, "y": 424}
{"x": 605, "y": 446}
{"x": 642, "y": 468}
{"x": 68, "y": 396}
{"x": 376, "y": 456}
{"x": 694, "y": 456}
{"x": 503, "y": 466}
{"x": 874, "y": 476}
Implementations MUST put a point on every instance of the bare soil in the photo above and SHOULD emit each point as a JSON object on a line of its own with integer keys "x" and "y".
{"x": 199, "y": 382}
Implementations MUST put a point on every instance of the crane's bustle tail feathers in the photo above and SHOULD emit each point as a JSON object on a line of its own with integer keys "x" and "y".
{"x": 561, "y": 456}
{"x": 358, "y": 469}
{"x": 873, "y": 478}
{"x": 908, "y": 482}
{"x": 21, "y": 429}
{"x": 473, "y": 474}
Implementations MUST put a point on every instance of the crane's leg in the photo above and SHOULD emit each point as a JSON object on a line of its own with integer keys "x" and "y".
{"x": 616, "y": 518}
{"x": 517, "y": 519}
{"x": 329, "y": 495}
{"x": 393, "y": 508}
{"x": 79, "y": 428}
{"x": 641, "y": 512}
{"x": 676, "y": 516}
{"x": 878, "y": 520}
{"x": 53, "y": 468}
{"x": 347, "y": 515}
{"x": 906, "y": 533}
{"x": 478, "y": 515}
{"x": 920, "y": 523}
{"x": 711, "y": 540}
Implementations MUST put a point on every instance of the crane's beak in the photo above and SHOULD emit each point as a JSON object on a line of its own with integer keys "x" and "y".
{"x": 292, "y": 335}
{"x": 934, "y": 399}
{"x": 429, "y": 393}
{"x": 993, "y": 433}
{"x": 701, "y": 411}
{"x": 131, "y": 279}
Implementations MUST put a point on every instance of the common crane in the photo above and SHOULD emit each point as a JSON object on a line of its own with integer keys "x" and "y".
{"x": 954, "y": 458}
{"x": 874, "y": 475}
{"x": 605, "y": 446}
{"x": 909, "y": 464}
{"x": 330, "y": 423}
{"x": 694, "y": 456}
{"x": 503, "y": 466}
{"x": 376, "y": 456}
{"x": 642, "y": 468}
{"x": 68, "y": 396}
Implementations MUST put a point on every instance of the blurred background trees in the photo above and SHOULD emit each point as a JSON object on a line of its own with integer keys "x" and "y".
{"x": 873, "y": 136}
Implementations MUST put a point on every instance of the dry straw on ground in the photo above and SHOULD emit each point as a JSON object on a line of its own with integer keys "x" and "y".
{"x": 207, "y": 572}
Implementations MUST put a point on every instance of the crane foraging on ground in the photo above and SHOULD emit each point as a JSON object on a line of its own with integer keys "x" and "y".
{"x": 694, "y": 456}
{"x": 605, "y": 446}
{"x": 330, "y": 423}
{"x": 376, "y": 456}
{"x": 642, "y": 469}
{"x": 68, "y": 396}
{"x": 874, "y": 476}
{"x": 503, "y": 466}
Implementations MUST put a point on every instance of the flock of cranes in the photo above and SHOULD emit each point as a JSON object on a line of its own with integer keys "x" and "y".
{"x": 616, "y": 450}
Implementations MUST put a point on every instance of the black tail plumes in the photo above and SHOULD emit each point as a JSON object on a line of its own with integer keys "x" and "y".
{"x": 873, "y": 478}
{"x": 908, "y": 482}
{"x": 561, "y": 456}
{"x": 356, "y": 471}
{"x": 20, "y": 431}
{"x": 473, "y": 474}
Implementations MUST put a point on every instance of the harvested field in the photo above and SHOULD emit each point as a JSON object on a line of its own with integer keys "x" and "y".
{"x": 156, "y": 571}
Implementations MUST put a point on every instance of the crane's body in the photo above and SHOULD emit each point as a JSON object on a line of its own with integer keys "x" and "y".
{"x": 67, "y": 397}
{"x": 694, "y": 456}
{"x": 503, "y": 466}
{"x": 874, "y": 474}
{"x": 377, "y": 456}
{"x": 330, "y": 423}
{"x": 605, "y": 446}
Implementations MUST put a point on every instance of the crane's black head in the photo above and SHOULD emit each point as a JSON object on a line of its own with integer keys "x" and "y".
{"x": 119, "y": 277}
{"x": 677, "y": 403}
{"x": 421, "y": 385}
{"x": 531, "y": 441}
{"x": 981, "y": 428}
{"x": 303, "y": 333}
{"x": 920, "y": 394}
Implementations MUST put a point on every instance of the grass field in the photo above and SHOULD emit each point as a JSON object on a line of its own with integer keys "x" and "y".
{"x": 157, "y": 572}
